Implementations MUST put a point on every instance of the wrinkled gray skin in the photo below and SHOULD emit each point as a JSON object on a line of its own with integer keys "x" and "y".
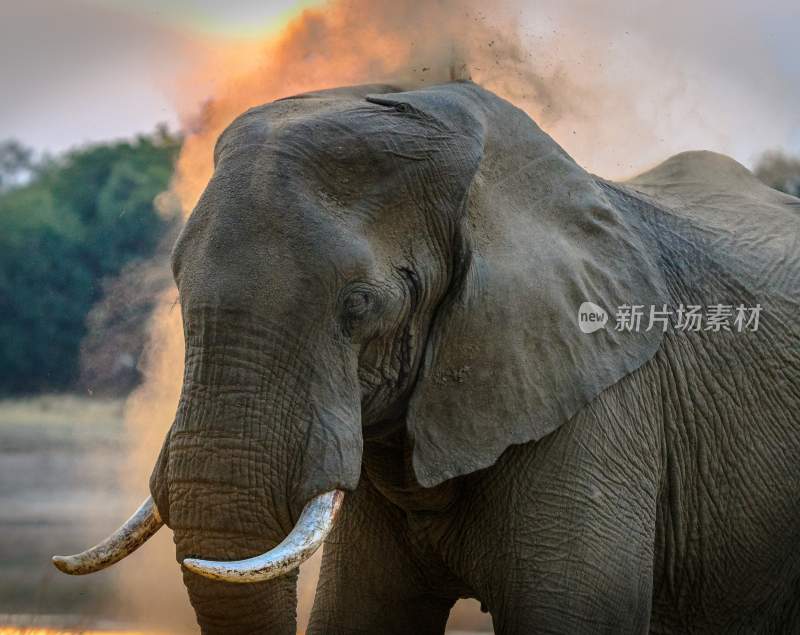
{"x": 379, "y": 293}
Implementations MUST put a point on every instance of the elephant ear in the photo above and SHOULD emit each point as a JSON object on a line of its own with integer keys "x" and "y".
{"x": 506, "y": 362}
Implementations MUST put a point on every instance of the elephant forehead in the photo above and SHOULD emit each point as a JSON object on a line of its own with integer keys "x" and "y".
{"x": 264, "y": 257}
{"x": 350, "y": 148}
{"x": 302, "y": 199}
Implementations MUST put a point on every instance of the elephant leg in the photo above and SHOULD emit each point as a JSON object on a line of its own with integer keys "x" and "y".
{"x": 583, "y": 580}
{"x": 559, "y": 536}
{"x": 371, "y": 580}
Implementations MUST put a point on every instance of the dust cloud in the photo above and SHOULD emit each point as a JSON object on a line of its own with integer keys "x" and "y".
{"x": 619, "y": 85}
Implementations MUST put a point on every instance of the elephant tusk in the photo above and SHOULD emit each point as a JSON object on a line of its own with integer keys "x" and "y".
{"x": 137, "y": 530}
{"x": 313, "y": 526}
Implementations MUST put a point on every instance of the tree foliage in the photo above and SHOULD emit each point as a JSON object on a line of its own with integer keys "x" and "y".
{"x": 16, "y": 162}
{"x": 74, "y": 222}
{"x": 780, "y": 171}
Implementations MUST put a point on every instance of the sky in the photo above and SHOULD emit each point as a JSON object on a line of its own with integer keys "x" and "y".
{"x": 77, "y": 71}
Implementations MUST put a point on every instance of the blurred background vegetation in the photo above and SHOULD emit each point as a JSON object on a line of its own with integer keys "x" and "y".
{"x": 780, "y": 171}
{"x": 77, "y": 278}
{"x": 69, "y": 227}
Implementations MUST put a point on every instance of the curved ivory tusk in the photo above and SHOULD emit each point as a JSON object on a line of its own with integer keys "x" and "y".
{"x": 145, "y": 522}
{"x": 314, "y": 524}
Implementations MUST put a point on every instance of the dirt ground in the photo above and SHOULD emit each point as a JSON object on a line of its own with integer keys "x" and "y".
{"x": 60, "y": 490}
{"x": 58, "y": 471}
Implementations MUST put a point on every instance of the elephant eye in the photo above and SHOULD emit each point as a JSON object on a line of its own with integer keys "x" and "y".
{"x": 359, "y": 302}
{"x": 356, "y": 304}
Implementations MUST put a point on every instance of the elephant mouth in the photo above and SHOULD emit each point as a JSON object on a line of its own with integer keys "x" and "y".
{"x": 312, "y": 527}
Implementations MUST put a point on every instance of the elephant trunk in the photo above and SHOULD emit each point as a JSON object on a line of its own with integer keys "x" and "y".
{"x": 224, "y": 608}
{"x": 264, "y": 441}
{"x": 216, "y": 515}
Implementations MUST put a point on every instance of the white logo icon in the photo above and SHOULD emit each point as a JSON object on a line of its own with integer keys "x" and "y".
{"x": 591, "y": 317}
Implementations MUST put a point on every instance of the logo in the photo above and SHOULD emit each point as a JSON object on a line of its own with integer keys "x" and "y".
{"x": 591, "y": 317}
{"x": 637, "y": 318}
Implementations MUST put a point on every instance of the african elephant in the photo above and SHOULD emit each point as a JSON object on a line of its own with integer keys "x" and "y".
{"x": 380, "y": 294}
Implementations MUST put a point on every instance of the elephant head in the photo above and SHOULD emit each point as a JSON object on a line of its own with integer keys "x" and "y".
{"x": 364, "y": 259}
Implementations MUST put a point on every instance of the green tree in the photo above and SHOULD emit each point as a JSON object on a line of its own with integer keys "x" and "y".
{"x": 16, "y": 162}
{"x": 78, "y": 219}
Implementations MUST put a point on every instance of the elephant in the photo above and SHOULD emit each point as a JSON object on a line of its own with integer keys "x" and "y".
{"x": 381, "y": 294}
